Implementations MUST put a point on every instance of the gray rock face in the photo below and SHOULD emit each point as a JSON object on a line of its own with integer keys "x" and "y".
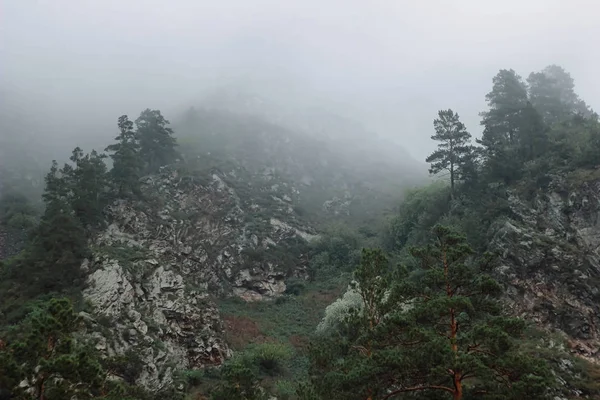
{"x": 338, "y": 206}
{"x": 550, "y": 259}
{"x": 159, "y": 261}
{"x": 167, "y": 326}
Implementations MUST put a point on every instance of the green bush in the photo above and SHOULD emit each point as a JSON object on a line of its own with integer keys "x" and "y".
{"x": 337, "y": 250}
{"x": 271, "y": 358}
{"x": 285, "y": 390}
{"x": 295, "y": 286}
{"x": 21, "y": 221}
{"x": 193, "y": 377}
{"x": 16, "y": 211}
{"x": 420, "y": 210}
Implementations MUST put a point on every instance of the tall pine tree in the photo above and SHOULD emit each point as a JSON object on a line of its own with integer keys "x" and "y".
{"x": 436, "y": 333}
{"x": 454, "y": 149}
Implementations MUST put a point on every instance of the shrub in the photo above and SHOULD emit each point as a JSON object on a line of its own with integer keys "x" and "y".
{"x": 336, "y": 312}
{"x": 285, "y": 390}
{"x": 270, "y": 358}
{"x": 295, "y": 286}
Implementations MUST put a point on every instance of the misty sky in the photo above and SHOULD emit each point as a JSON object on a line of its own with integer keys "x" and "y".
{"x": 392, "y": 64}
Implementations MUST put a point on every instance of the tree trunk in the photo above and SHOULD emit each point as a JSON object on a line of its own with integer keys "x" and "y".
{"x": 458, "y": 392}
{"x": 452, "y": 181}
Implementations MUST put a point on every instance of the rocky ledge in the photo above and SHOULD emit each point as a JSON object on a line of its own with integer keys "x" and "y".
{"x": 551, "y": 263}
{"x": 161, "y": 261}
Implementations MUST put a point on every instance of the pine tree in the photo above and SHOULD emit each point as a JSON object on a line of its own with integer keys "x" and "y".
{"x": 454, "y": 149}
{"x": 48, "y": 358}
{"x": 88, "y": 186}
{"x": 503, "y": 124}
{"x": 533, "y": 134}
{"x": 552, "y": 93}
{"x": 127, "y": 165}
{"x": 56, "y": 252}
{"x": 58, "y": 245}
{"x": 506, "y": 101}
{"x": 157, "y": 144}
{"x": 436, "y": 333}
{"x": 57, "y": 188}
{"x": 474, "y": 346}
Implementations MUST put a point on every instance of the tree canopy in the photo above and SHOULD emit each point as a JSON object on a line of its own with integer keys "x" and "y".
{"x": 436, "y": 332}
{"x": 454, "y": 150}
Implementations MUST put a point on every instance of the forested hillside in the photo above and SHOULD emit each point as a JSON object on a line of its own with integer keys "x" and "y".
{"x": 230, "y": 255}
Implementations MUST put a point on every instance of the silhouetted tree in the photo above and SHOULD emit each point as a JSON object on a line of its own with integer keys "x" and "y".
{"x": 127, "y": 164}
{"x": 89, "y": 183}
{"x": 453, "y": 150}
{"x": 157, "y": 144}
{"x": 552, "y": 93}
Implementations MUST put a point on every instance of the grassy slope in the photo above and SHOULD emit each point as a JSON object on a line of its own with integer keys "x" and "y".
{"x": 290, "y": 319}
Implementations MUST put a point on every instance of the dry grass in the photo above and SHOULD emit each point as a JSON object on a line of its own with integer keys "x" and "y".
{"x": 241, "y": 331}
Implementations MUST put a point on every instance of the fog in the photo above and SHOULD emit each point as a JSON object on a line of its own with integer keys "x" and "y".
{"x": 75, "y": 66}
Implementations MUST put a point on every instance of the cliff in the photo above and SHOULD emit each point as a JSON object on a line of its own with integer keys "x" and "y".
{"x": 550, "y": 261}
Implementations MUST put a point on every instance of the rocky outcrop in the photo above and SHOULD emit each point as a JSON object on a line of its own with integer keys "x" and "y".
{"x": 154, "y": 316}
{"x": 338, "y": 206}
{"x": 161, "y": 260}
{"x": 550, "y": 259}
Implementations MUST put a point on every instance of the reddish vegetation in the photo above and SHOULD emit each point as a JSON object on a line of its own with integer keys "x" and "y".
{"x": 241, "y": 331}
{"x": 299, "y": 342}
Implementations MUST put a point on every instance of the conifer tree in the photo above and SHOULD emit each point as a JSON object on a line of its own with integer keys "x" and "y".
{"x": 157, "y": 144}
{"x": 48, "y": 358}
{"x": 511, "y": 128}
{"x": 58, "y": 244}
{"x": 438, "y": 333}
{"x": 454, "y": 149}
{"x": 88, "y": 182}
{"x": 533, "y": 135}
{"x": 57, "y": 250}
{"x": 506, "y": 101}
{"x": 474, "y": 346}
{"x": 127, "y": 165}
{"x": 552, "y": 93}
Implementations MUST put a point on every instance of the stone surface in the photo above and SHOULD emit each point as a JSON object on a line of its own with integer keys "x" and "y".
{"x": 159, "y": 261}
{"x": 550, "y": 260}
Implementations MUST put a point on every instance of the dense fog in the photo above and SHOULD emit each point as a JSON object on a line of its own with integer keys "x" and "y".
{"x": 299, "y": 200}
{"x": 69, "y": 69}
